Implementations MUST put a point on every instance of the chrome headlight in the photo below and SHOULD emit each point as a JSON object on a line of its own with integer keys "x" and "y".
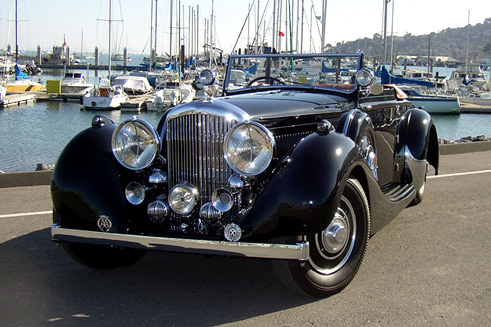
{"x": 135, "y": 144}
{"x": 248, "y": 148}
{"x": 364, "y": 77}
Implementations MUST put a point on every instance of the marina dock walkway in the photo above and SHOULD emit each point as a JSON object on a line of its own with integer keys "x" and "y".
{"x": 16, "y": 99}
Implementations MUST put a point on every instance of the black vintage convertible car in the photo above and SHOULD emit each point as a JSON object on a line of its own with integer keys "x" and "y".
{"x": 300, "y": 161}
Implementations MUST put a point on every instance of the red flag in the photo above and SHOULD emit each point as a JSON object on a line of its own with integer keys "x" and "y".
{"x": 280, "y": 33}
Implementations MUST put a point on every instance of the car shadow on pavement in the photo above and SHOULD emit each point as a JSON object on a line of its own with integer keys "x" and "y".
{"x": 42, "y": 284}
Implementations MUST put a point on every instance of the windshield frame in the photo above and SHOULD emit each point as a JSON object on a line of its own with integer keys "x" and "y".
{"x": 234, "y": 58}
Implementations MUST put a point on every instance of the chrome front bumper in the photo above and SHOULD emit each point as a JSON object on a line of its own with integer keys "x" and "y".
{"x": 300, "y": 251}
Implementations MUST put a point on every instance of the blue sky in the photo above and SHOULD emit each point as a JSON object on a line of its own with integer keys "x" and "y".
{"x": 48, "y": 22}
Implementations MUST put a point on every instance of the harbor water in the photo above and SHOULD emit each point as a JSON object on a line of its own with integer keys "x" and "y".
{"x": 38, "y": 132}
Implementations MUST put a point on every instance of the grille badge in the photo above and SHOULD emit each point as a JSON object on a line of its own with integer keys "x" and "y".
{"x": 104, "y": 223}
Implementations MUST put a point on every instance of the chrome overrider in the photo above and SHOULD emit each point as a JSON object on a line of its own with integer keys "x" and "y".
{"x": 299, "y": 251}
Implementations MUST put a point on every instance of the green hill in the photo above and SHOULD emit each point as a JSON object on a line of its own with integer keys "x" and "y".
{"x": 450, "y": 42}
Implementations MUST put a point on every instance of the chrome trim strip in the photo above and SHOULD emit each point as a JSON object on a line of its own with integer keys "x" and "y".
{"x": 300, "y": 251}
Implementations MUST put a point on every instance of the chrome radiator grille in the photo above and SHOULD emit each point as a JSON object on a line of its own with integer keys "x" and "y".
{"x": 195, "y": 154}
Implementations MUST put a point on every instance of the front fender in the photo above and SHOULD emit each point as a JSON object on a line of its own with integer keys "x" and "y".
{"x": 302, "y": 196}
{"x": 86, "y": 184}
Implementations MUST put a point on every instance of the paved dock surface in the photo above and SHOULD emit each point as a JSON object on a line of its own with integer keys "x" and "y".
{"x": 429, "y": 267}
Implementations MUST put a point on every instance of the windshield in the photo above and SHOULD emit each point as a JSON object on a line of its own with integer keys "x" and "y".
{"x": 329, "y": 71}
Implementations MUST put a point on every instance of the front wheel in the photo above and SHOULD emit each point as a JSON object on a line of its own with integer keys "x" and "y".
{"x": 336, "y": 253}
{"x": 102, "y": 256}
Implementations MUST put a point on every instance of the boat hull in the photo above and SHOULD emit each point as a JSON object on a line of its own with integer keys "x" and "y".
{"x": 437, "y": 105}
{"x": 76, "y": 89}
{"x": 103, "y": 103}
{"x": 482, "y": 102}
{"x": 23, "y": 87}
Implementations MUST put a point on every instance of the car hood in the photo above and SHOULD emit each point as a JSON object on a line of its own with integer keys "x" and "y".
{"x": 267, "y": 105}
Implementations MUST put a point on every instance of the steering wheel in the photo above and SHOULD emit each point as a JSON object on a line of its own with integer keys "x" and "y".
{"x": 272, "y": 79}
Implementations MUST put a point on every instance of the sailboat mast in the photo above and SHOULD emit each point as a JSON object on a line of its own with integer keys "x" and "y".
{"x": 156, "y": 27}
{"x": 211, "y": 32}
{"x": 467, "y": 47}
{"x": 274, "y": 25}
{"x": 170, "y": 31}
{"x": 392, "y": 41}
{"x": 16, "y": 44}
{"x": 151, "y": 32}
{"x": 323, "y": 37}
{"x": 109, "y": 51}
{"x": 301, "y": 29}
{"x": 197, "y": 30}
{"x": 385, "y": 32}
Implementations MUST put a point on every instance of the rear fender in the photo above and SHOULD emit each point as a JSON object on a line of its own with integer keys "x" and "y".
{"x": 417, "y": 143}
{"x": 302, "y": 196}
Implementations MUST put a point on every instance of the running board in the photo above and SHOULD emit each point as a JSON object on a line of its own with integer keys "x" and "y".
{"x": 397, "y": 192}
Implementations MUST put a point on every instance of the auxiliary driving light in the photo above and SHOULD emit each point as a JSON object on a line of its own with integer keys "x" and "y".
{"x": 222, "y": 200}
{"x": 135, "y": 193}
{"x": 183, "y": 197}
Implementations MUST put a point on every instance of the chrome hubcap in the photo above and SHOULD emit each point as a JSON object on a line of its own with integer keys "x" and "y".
{"x": 334, "y": 244}
{"x": 336, "y": 235}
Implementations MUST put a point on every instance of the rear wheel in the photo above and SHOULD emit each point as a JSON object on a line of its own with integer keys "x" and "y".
{"x": 102, "y": 256}
{"x": 336, "y": 252}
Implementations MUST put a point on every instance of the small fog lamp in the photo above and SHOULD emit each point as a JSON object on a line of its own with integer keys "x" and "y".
{"x": 135, "y": 193}
{"x": 222, "y": 200}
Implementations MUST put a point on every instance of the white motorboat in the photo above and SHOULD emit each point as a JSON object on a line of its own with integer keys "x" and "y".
{"x": 473, "y": 77}
{"x": 75, "y": 83}
{"x": 162, "y": 99}
{"x": 109, "y": 98}
{"x": 482, "y": 99}
{"x": 133, "y": 84}
{"x": 119, "y": 57}
{"x": 169, "y": 94}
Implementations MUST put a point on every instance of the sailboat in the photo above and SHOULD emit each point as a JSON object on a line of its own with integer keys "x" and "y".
{"x": 22, "y": 83}
{"x": 109, "y": 97}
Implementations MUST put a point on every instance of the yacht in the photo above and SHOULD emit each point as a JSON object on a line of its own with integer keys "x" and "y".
{"x": 75, "y": 83}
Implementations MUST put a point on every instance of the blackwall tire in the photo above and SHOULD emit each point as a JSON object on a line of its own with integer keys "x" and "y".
{"x": 102, "y": 256}
{"x": 336, "y": 253}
